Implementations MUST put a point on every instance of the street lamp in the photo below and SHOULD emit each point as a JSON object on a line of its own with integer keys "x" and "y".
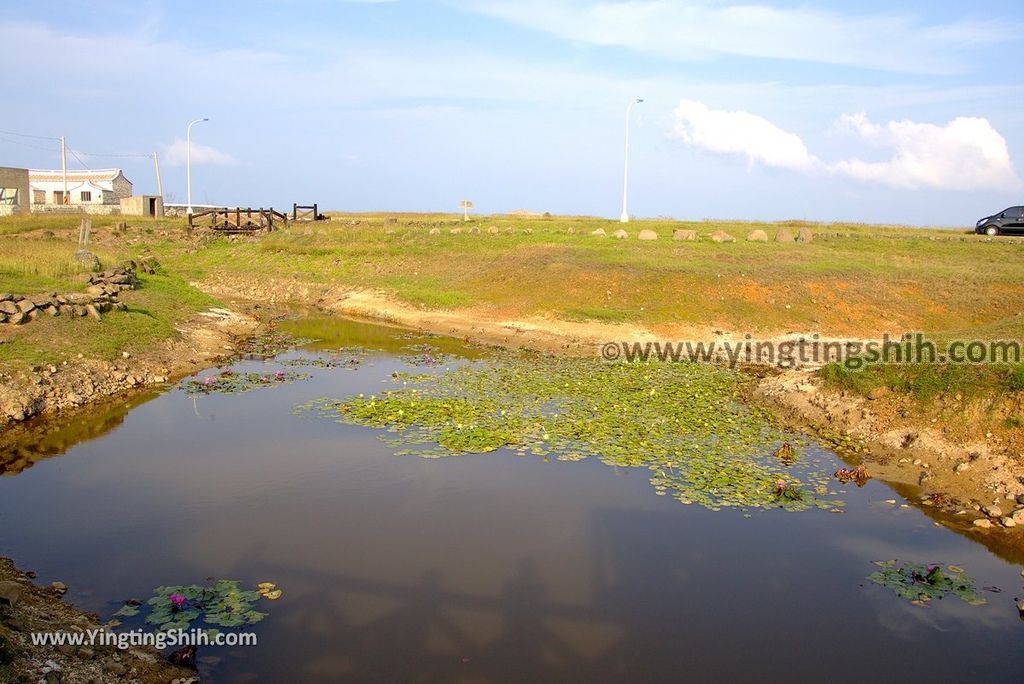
{"x": 625, "y": 174}
{"x": 188, "y": 160}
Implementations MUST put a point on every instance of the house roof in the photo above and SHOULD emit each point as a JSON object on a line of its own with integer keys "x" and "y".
{"x": 93, "y": 175}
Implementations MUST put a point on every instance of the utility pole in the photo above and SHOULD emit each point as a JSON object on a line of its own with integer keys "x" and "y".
{"x": 64, "y": 169}
{"x": 159, "y": 185}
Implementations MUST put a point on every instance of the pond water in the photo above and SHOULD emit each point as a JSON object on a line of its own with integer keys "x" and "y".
{"x": 483, "y": 567}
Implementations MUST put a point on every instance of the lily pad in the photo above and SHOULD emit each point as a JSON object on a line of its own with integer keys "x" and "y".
{"x": 920, "y": 583}
{"x": 683, "y": 422}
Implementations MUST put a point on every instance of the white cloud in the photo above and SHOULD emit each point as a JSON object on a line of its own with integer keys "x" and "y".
{"x": 965, "y": 154}
{"x": 741, "y": 133}
{"x": 696, "y": 29}
{"x": 175, "y": 154}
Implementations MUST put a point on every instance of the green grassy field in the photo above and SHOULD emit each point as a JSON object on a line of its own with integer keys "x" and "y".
{"x": 852, "y": 280}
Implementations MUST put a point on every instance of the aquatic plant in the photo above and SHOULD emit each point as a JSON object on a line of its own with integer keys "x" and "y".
{"x": 920, "y": 583}
{"x": 269, "y": 344}
{"x": 858, "y": 475}
{"x": 228, "y": 381}
{"x": 425, "y": 355}
{"x": 683, "y": 422}
{"x": 351, "y": 359}
{"x": 224, "y": 604}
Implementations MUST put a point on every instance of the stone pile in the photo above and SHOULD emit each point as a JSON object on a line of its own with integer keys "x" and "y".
{"x": 99, "y": 298}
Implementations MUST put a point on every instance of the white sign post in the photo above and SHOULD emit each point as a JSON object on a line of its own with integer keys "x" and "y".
{"x": 465, "y": 205}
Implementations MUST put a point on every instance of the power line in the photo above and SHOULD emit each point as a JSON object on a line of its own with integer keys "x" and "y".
{"x": 26, "y": 135}
{"x": 24, "y": 144}
{"x": 78, "y": 158}
{"x": 124, "y": 155}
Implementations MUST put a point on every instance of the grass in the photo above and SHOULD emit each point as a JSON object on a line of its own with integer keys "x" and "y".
{"x": 153, "y": 310}
{"x": 851, "y": 281}
{"x": 868, "y": 281}
{"x": 36, "y": 256}
{"x": 925, "y": 382}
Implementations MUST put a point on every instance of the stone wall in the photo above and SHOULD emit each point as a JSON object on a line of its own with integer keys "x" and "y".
{"x": 102, "y": 209}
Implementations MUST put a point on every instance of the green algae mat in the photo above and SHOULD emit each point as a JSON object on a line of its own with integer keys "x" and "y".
{"x": 684, "y": 422}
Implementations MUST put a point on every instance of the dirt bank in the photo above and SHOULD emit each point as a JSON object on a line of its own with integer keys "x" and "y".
{"x": 943, "y": 455}
{"x": 26, "y": 609}
{"x": 49, "y": 390}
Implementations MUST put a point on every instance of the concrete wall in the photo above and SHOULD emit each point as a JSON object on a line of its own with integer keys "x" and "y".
{"x": 140, "y": 205}
{"x": 16, "y": 179}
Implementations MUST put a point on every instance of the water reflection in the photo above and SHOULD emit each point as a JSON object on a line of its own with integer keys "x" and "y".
{"x": 484, "y": 568}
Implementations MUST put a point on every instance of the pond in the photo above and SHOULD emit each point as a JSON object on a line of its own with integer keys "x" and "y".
{"x": 539, "y": 563}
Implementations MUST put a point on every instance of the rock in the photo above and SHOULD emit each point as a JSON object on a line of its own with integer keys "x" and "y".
{"x": 983, "y": 523}
{"x": 599, "y": 233}
{"x": 805, "y": 235}
{"x": 722, "y": 236}
{"x": 784, "y": 235}
{"x": 681, "y": 234}
{"x": 647, "y": 234}
{"x": 26, "y": 305}
{"x": 8, "y": 307}
{"x": 86, "y": 653}
{"x": 528, "y": 231}
{"x": 52, "y": 677}
{"x": 18, "y": 318}
{"x": 3, "y": 318}
{"x": 87, "y": 260}
{"x": 757, "y": 236}
{"x": 474, "y": 231}
{"x": 115, "y": 668}
{"x": 1008, "y": 522}
{"x": 435, "y": 231}
{"x": 877, "y": 393}
{"x": 620, "y": 234}
{"x": 961, "y": 467}
{"x": 455, "y": 231}
{"x": 59, "y": 587}
{"x": 992, "y": 511}
{"x": 570, "y": 230}
{"x": 510, "y": 231}
{"x": 93, "y": 311}
{"x": 10, "y": 592}
{"x": 6, "y": 296}
{"x": 66, "y": 649}
{"x": 493, "y": 230}
{"x": 1018, "y": 516}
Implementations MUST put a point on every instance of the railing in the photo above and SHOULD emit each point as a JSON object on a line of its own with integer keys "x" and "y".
{"x": 238, "y": 220}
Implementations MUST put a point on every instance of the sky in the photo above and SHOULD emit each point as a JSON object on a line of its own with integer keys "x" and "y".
{"x": 883, "y": 112}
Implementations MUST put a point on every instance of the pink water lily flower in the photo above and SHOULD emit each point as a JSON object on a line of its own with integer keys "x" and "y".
{"x": 178, "y": 600}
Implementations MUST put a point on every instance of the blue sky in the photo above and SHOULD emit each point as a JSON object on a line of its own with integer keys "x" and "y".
{"x": 905, "y": 112}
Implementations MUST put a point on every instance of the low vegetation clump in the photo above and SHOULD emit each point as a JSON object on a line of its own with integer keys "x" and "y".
{"x": 920, "y": 583}
{"x": 232, "y": 382}
{"x": 683, "y": 422}
{"x": 224, "y": 604}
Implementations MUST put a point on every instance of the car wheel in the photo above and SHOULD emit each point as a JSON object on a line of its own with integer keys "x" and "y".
{"x": 991, "y": 231}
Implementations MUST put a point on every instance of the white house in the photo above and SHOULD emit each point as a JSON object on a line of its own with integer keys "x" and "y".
{"x": 84, "y": 188}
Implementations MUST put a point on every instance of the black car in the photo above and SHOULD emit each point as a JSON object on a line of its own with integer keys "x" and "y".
{"x": 1008, "y": 221}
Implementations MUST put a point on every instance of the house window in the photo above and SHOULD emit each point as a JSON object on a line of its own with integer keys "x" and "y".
{"x": 86, "y": 196}
{"x": 38, "y": 197}
{"x": 9, "y": 196}
{"x": 58, "y": 197}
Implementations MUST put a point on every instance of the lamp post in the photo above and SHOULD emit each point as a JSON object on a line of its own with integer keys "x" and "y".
{"x": 188, "y": 160}
{"x": 625, "y": 172}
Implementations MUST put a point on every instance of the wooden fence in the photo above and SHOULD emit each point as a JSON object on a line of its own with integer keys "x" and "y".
{"x": 238, "y": 220}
